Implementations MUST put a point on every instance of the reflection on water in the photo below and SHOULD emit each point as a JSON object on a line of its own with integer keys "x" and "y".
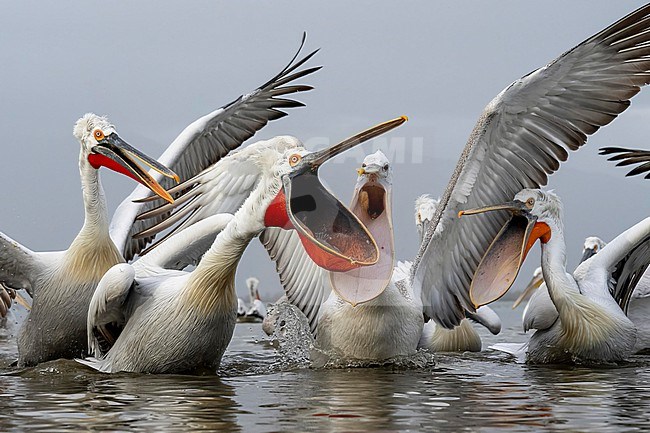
{"x": 255, "y": 393}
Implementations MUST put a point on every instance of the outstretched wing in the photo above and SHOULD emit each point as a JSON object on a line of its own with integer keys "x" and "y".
{"x": 629, "y": 157}
{"x": 521, "y": 138}
{"x": 206, "y": 141}
{"x": 306, "y": 285}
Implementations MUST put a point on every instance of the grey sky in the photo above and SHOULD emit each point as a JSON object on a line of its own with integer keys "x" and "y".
{"x": 155, "y": 66}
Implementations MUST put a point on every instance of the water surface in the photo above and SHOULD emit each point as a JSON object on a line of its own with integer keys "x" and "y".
{"x": 257, "y": 391}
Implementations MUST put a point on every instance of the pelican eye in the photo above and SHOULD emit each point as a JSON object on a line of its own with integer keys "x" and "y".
{"x": 363, "y": 165}
{"x": 530, "y": 203}
{"x": 386, "y": 167}
{"x": 294, "y": 159}
{"x": 595, "y": 248}
{"x": 98, "y": 134}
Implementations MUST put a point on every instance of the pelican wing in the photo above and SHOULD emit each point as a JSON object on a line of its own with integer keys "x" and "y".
{"x": 222, "y": 188}
{"x": 106, "y": 316}
{"x": 206, "y": 141}
{"x": 306, "y": 285}
{"x": 521, "y": 138}
{"x": 625, "y": 259}
{"x": 640, "y": 158}
{"x": 17, "y": 264}
{"x": 540, "y": 312}
{"x": 184, "y": 248}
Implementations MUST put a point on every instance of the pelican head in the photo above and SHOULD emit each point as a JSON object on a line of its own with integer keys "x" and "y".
{"x": 425, "y": 208}
{"x": 374, "y": 184}
{"x": 334, "y": 237}
{"x": 592, "y": 245}
{"x": 535, "y": 215}
{"x": 101, "y": 146}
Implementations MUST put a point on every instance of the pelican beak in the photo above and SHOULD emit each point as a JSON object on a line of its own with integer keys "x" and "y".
{"x": 501, "y": 263}
{"x": 587, "y": 253}
{"x": 371, "y": 203}
{"x": 334, "y": 237}
{"x": 114, "y": 153}
{"x": 533, "y": 285}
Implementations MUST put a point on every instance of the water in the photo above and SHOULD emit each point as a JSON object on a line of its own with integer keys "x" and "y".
{"x": 257, "y": 391}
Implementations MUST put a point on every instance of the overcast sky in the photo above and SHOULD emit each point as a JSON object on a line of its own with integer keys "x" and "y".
{"x": 155, "y": 66}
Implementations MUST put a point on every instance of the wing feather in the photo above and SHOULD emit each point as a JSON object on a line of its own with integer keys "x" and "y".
{"x": 306, "y": 285}
{"x": 520, "y": 139}
{"x": 629, "y": 157}
{"x": 206, "y": 141}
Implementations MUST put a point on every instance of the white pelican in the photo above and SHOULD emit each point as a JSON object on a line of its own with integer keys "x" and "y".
{"x": 540, "y": 312}
{"x": 63, "y": 282}
{"x": 520, "y": 138}
{"x": 257, "y": 310}
{"x": 591, "y": 325}
{"x": 196, "y": 310}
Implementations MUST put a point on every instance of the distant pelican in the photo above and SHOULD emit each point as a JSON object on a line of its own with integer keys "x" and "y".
{"x": 591, "y": 324}
{"x": 63, "y": 282}
{"x": 146, "y": 317}
{"x": 257, "y": 310}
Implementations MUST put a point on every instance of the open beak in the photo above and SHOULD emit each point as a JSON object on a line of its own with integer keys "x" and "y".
{"x": 371, "y": 204}
{"x": 114, "y": 153}
{"x": 501, "y": 263}
{"x": 533, "y": 285}
{"x": 334, "y": 237}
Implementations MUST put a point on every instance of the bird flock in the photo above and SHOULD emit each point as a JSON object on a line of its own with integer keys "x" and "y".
{"x": 152, "y": 288}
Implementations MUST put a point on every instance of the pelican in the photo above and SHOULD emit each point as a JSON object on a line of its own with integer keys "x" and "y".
{"x": 62, "y": 283}
{"x": 540, "y": 312}
{"x": 257, "y": 311}
{"x": 520, "y": 138}
{"x": 147, "y": 317}
{"x": 591, "y": 324}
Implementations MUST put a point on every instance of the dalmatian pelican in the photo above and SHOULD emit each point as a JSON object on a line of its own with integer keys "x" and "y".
{"x": 150, "y": 317}
{"x": 591, "y": 325}
{"x": 62, "y": 283}
{"x": 521, "y": 138}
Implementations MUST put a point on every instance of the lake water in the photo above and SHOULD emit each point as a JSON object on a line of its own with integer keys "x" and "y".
{"x": 257, "y": 391}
